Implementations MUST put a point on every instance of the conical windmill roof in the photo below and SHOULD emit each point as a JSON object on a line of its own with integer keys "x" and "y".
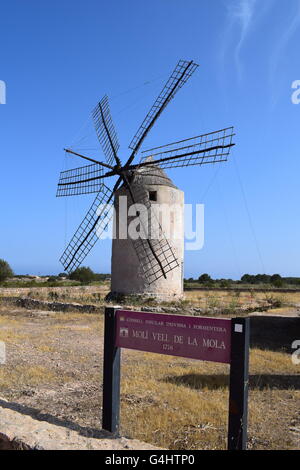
{"x": 154, "y": 175}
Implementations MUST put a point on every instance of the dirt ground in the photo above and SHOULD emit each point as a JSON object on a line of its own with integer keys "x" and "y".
{"x": 54, "y": 372}
{"x": 54, "y": 365}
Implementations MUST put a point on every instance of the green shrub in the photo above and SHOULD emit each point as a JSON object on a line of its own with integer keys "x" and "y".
{"x": 5, "y": 271}
{"x": 84, "y": 275}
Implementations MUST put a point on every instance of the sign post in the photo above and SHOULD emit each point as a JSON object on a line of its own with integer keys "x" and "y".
{"x": 111, "y": 375}
{"x": 207, "y": 339}
{"x": 239, "y": 383}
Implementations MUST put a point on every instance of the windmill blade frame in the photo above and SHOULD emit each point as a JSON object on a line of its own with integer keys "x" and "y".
{"x": 89, "y": 231}
{"x": 213, "y": 147}
{"x": 182, "y": 72}
{"x": 105, "y": 131}
{"x": 82, "y": 180}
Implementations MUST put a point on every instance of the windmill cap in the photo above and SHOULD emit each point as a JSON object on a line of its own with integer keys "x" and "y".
{"x": 154, "y": 175}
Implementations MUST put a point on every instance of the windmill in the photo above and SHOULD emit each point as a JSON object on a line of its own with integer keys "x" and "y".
{"x": 155, "y": 257}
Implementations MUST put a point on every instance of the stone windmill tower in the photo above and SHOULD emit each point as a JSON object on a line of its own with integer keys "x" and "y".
{"x": 129, "y": 265}
{"x": 152, "y": 263}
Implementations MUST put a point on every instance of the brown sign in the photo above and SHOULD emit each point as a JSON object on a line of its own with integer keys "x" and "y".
{"x": 203, "y": 338}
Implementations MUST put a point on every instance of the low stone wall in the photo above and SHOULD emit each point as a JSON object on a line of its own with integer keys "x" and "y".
{"x": 20, "y": 291}
{"x": 21, "y": 432}
{"x": 33, "y": 304}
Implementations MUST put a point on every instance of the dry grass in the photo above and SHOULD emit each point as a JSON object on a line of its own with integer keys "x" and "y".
{"x": 55, "y": 365}
{"x": 84, "y": 294}
{"x": 23, "y": 375}
{"x": 10, "y": 331}
{"x": 180, "y": 404}
{"x": 164, "y": 402}
{"x": 206, "y": 299}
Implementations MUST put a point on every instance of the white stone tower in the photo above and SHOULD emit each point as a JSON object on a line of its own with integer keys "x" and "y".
{"x": 128, "y": 277}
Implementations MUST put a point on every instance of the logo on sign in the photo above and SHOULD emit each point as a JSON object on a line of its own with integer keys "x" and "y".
{"x": 124, "y": 332}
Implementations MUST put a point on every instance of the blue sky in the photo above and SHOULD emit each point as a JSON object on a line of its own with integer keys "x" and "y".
{"x": 58, "y": 58}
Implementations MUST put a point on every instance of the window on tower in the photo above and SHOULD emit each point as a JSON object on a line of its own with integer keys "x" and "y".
{"x": 153, "y": 195}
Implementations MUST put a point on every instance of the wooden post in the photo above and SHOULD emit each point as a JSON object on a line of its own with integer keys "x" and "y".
{"x": 239, "y": 381}
{"x": 111, "y": 375}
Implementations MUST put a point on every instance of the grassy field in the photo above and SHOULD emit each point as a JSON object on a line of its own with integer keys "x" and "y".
{"x": 54, "y": 372}
{"x": 208, "y": 300}
{"x": 182, "y": 404}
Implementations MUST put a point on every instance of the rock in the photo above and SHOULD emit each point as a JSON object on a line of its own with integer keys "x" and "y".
{"x": 20, "y": 431}
{"x": 151, "y": 309}
{"x": 198, "y": 310}
{"x": 170, "y": 309}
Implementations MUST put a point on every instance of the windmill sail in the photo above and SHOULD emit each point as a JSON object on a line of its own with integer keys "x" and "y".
{"x": 82, "y": 180}
{"x": 89, "y": 231}
{"x": 207, "y": 148}
{"x": 105, "y": 130}
{"x": 182, "y": 72}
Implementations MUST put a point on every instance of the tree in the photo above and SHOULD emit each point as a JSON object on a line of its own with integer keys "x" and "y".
{"x": 5, "y": 270}
{"x": 205, "y": 278}
{"x": 225, "y": 283}
{"x": 276, "y": 280}
{"x": 84, "y": 275}
{"x": 248, "y": 279}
